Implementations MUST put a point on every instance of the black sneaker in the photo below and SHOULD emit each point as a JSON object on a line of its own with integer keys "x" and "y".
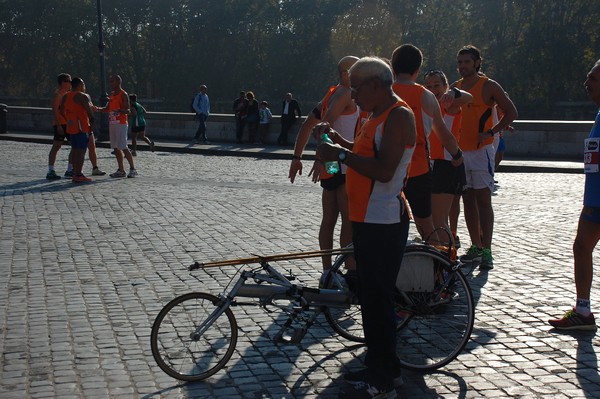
{"x": 51, "y": 175}
{"x": 358, "y": 377}
{"x": 364, "y": 390}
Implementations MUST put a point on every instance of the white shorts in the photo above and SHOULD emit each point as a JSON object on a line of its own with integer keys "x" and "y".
{"x": 118, "y": 136}
{"x": 479, "y": 167}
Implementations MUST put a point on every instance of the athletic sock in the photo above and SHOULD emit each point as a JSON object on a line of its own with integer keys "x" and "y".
{"x": 70, "y": 167}
{"x": 50, "y": 168}
{"x": 582, "y": 306}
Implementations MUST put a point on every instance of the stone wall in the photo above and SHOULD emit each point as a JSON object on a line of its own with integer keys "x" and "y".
{"x": 531, "y": 139}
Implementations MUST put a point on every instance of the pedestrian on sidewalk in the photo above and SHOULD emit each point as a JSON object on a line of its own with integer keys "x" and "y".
{"x": 265, "y": 122}
{"x": 138, "y": 127}
{"x": 202, "y": 108}
{"x": 588, "y": 229}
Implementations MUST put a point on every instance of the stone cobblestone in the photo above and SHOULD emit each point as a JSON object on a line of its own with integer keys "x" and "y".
{"x": 84, "y": 270}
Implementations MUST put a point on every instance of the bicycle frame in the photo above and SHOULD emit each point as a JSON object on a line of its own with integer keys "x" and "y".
{"x": 279, "y": 287}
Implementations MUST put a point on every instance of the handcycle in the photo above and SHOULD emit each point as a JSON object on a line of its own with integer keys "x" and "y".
{"x": 195, "y": 334}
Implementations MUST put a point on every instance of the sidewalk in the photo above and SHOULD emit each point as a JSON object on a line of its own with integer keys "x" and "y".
{"x": 540, "y": 165}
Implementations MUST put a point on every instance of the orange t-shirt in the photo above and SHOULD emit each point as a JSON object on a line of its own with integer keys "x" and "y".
{"x": 412, "y": 94}
{"x": 115, "y": 102}
{"x": 477, "y": 117}
{"x": 76, "y": 116}
{"x": 371, "y": 201}
{"x": 452, "y": 122}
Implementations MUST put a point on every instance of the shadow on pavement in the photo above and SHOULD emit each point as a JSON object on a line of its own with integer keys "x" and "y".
{"x": 587, "y": 362}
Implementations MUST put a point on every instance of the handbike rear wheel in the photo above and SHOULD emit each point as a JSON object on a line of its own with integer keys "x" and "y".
{"x": 436, "y": 324}
{"x": 179, "y": 350}
{"x": 346, "y": 321}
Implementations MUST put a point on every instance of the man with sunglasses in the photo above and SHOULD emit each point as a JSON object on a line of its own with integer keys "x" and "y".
{"x": 377, "y": 160}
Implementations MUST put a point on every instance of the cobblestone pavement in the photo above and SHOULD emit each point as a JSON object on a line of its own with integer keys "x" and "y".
{"x": 84, "y": 269}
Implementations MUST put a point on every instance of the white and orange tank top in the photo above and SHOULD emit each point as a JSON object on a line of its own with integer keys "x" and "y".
{"x": 477, "y": 117}
{"x": 345, "y": 124}
{"x": 371, "y": 201}
{"x": 452, "y": 122}
{"x": 115, "y": 103}
{"x": 413, "y": 95}
{"x": 76, "y": 116}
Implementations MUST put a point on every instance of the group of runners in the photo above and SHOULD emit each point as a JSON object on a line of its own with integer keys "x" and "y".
{"x": 73, "y": 121}
{"x": 432, "y": 145}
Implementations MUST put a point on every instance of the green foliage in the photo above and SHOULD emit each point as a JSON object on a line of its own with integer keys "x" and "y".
{"x": 538, "y": 50}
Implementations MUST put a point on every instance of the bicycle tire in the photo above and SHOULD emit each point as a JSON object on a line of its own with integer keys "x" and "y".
{"x": 346, "y": 321}
{"x": 184, "y": 356}
{"x": 437, "y": 325}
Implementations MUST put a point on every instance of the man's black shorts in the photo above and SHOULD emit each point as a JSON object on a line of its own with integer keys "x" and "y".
{"x": 60, "y": 137}
{"x": 418, "y": 194}
{"x": 447, "y": 178}
{"x": 331, "y": 184}
{"x": 137, "y": 129}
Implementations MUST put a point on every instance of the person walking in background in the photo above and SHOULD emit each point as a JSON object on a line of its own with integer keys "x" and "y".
{"x": 76, "y": 109}
{"x": 59, "y": 125}
{"x": 478, "y": 129}
{"x": 290, "y": 112}
{"x": 252, "y": 116}
{"x": 240, "y": 107}
{"x": 588, "y": 230}
{"x": 118, "y": 109}
{"x": 264, "y": 126}
{"x": 138, "y": 127}
{"x": 202, "y": 108}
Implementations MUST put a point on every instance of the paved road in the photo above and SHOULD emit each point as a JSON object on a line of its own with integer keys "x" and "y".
{"x": 84, "y": 269}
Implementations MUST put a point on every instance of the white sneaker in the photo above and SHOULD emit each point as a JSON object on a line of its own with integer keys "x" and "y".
{"x": 132, "y": 173}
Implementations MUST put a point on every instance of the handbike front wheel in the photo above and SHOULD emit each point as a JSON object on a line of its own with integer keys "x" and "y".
{"x": 346, "y": 320}
{"x": 437, "y": 323}
{"x": 180, "y": 350}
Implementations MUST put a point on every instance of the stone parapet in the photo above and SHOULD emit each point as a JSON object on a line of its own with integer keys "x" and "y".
{"x": 531, "y": 138}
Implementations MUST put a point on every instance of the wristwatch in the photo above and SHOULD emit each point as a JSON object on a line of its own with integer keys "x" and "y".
{"x": 342, "y": 155}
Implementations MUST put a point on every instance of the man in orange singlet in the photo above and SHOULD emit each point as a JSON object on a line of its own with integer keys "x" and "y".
{"x": 77, "y": 110}
{"x": 339, "y": 110}
{"x": 476, "y": 139}
{"x": 406, "y": 61}
{"x": 377, "y": 161}
{"x": 60, "y": 136}
{"x": 118, "y": 109}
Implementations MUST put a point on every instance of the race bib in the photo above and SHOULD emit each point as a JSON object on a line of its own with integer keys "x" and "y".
{"x": 113, "y": 118}
{"x": 591, "y": 155}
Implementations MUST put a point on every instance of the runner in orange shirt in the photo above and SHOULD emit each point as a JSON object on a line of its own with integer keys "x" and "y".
{"x": 477, "y": 135}
{"x": 377, "y": 161}
{"x": 118, "y": 109}
{"x": 77, "y": 110}
{"x": 406, "y": 61}
{"x": 338, "y": 109}
{"x": 448, "y": 180}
